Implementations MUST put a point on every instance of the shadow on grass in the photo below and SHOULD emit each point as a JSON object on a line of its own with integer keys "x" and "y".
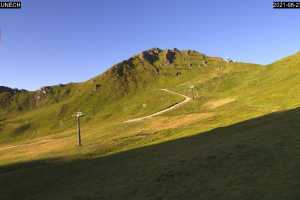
{"x": 255, "y": 159}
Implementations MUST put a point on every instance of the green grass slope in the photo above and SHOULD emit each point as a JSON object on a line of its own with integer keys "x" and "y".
{"x": 255, "y": 159}
{"x": 128, "y": 89}
{"x": 254, "y": 155}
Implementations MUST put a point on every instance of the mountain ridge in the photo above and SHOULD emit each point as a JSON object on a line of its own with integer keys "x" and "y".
{"x": 147, "y": 55}
{"x": 242, "y": 116}
{"x": 127, "y": 85}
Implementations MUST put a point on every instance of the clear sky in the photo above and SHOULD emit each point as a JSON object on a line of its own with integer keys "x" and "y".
{"x": 59, "y": 41}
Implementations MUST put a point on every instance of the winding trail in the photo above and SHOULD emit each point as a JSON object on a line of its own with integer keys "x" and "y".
{"x": 186, "y": 100}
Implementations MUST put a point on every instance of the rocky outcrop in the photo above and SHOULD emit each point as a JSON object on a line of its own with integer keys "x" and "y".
{"x": 151, "y": 55}
{"x": 45, "y": 90}
{"x": 171, "y": 56}
{"x": 97, "y": 88}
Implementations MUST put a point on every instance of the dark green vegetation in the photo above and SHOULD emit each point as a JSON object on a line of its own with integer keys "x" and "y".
{"x": 243, "y": 151}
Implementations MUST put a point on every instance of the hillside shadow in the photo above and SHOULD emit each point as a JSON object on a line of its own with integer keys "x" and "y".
{"x": 255, "y": 159}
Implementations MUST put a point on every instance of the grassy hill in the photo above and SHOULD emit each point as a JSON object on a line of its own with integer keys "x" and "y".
{"x": 255, "y": 159}
{"x": 116, "y": 95}
{"x": 224, "y": 144}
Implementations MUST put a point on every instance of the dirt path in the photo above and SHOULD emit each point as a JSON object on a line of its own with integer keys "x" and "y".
{"x": 186, "y": 100}
{"x": 26, "y": 144}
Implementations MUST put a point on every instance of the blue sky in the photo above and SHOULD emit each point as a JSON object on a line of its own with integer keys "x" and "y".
{"x": 59, "y": 41}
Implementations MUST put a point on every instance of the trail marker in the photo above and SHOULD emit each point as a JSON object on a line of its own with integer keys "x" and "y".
{"x": 78, "y": 115}
{"x": 192, "y": 87}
